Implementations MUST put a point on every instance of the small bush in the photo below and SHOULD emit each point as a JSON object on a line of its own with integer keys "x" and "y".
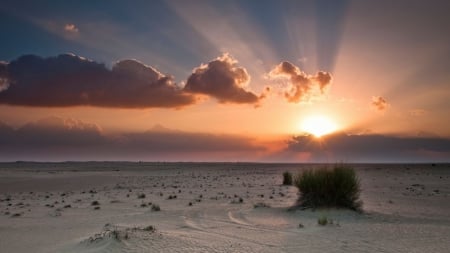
{"x": 150, "y": 228}
{"x": 155, "y": 208}
{"x": 337, "y": 187}
{"x": 261, "y": 204}
{"x": 95, "y": 203}
{"x": 287, "y": 178}
{"x": 323, "y": 221}
{"x": 141, "y": 196}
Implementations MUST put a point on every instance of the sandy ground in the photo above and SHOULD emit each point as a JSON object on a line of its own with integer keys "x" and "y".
{"x": 214, "y": 208}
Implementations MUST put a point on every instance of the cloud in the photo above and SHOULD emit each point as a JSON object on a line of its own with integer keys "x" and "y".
{"x": 222, "y": 79}
{"x": 71, "y": 28}
{"x": 380, "y": 104}
{"x": 70, "y": 80}
{"x": 56, "y": 132}
{"x": 68, "y": 139}
{"x": 4, "y": 82}
{"x": 417, "y": 112}
{"x": 371, "y": 147}
{"x": 302, "y": 87}
{"x": 179, "y": 141}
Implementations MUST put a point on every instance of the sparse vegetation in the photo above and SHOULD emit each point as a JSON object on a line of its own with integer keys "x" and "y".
{"x": 156, "y": 208}
{"x": 287, "y": 178}
{"x": 336, "y": 187}
{"x": 150, "y": 228}
{"x": 95, "y": 203}
{"x": 141, "y": 196}
{"x": 261, "y": 204}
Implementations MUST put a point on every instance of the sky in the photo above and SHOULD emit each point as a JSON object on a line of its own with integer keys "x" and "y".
{"x": 263, "y": 81}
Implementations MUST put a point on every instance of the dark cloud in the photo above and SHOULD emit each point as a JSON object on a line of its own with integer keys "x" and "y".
{"x": 57, "y": 132}
{"x": 68, "y": 139}
{"x": 380, "y": 104}
{"x": 222, "y": 79}
{"x": 69, "y": 80}
{"x": 302, "y": 87}
{"x": 372, "y": 147}
{"x": 178, "y": 141}
{"x": 4, "y": 82}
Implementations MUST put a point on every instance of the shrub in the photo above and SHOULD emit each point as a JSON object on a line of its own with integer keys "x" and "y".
{"x": 287, "y": 178}
{"x": 261, "y": 204}
{"x": 156, "y": 208}
{"x": 337, "y": 187}
{"x": 323, "y": 221}
{"x": 150, "y": 228}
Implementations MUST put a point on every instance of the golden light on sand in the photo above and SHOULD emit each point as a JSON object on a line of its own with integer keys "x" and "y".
{"x": 318, "y": 125}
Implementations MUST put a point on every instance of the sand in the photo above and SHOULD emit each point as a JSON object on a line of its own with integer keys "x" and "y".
{"x": 49, "y": 207}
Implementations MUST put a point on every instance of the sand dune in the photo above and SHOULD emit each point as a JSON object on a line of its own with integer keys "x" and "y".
{"x": 111, "y": 207}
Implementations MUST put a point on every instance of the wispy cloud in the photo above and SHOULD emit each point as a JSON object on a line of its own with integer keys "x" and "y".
{"x": 417, "y": 112}
{"x": 71, "y": 28}
{"x": 379, "y": 104}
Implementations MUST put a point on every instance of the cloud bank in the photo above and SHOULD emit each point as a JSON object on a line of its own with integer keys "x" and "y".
{"x": 69, "y": 80}
{"x": 56, "y": 139}
{"x": 223, "y": 79}
{"x": 68, "y": 139}
{"x": 302, "y": 87}
{"x": 372, "y": 147}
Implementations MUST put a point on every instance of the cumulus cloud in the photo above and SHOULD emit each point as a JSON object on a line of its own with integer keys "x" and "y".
{"x": 371, "y": 147}
{"x": 223, "y": 79}
{"x": 71, "y": 28}
{"x": 302, "y": 87}
{"x": 70, "y": 80}
{"x": 379, "y": 104}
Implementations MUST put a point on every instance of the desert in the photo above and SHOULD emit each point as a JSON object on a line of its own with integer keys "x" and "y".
{"x": 215, "y": 207}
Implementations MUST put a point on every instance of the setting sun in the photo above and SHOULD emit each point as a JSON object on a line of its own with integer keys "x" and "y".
{"x": 318, "y": 125}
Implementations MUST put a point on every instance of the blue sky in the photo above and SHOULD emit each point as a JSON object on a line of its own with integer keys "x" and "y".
{"x": 147, "y": 30}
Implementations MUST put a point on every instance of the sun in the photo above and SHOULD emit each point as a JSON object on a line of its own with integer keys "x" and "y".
{"x": 318, "y": 125}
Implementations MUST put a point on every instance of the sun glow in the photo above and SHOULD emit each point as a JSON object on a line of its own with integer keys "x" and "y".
{"x": 318, "y": 125}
